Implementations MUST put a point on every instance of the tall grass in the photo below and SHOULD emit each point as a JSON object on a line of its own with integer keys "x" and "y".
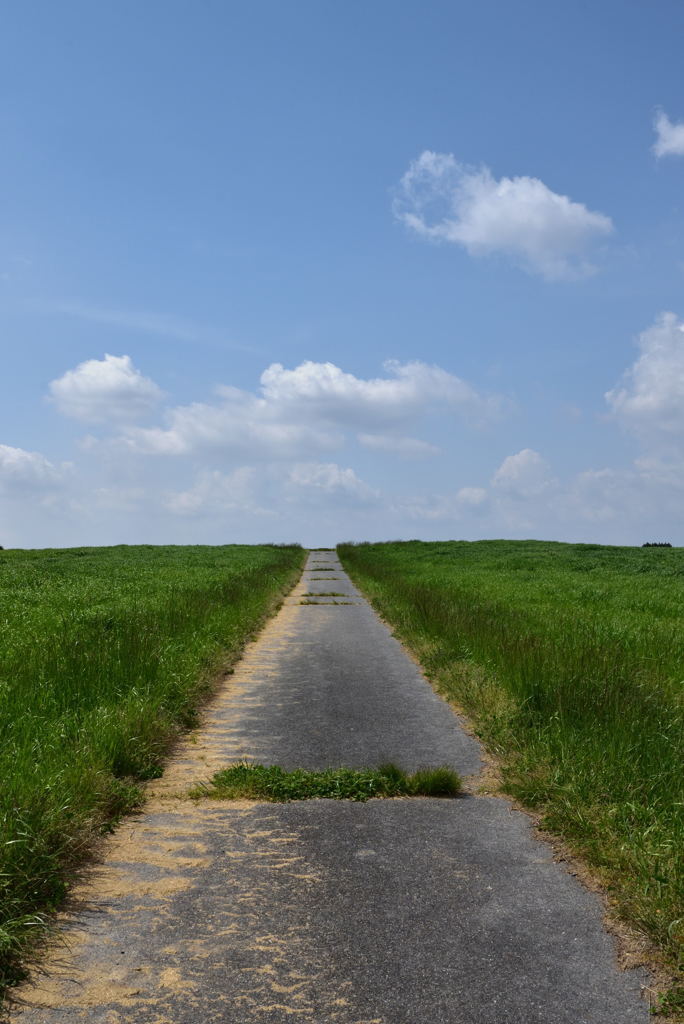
{"x": 570, "y": 659}
{"x": 104, "y": 656}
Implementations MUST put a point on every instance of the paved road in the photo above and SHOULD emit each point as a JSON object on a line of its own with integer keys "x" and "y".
{"x": 390, "y": 912}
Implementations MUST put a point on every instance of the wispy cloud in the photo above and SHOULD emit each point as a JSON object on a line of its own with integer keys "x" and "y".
{"x": 406, "y": 447}
{"x": 22, "y": 471}
{"x": 162, "y": 324}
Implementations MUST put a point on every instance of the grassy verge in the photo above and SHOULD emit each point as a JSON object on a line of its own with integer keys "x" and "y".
{"x": 260, "y": 782}
{"x": 105, "y": 653}
{"x": 570, "y": 660}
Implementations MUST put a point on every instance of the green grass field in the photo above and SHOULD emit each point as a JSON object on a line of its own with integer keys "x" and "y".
{"x": 105, "y": 654}
{"x": 570, "y": 660}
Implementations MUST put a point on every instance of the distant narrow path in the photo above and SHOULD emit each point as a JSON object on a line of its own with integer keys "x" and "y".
{"x": 409, "y": 911}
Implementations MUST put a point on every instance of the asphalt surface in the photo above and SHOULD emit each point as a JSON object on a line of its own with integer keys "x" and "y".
{"x": 411, "y": 911}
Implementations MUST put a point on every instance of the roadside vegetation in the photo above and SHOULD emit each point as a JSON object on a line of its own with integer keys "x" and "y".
{"x": 569, "y": 659}
{"x": 105, "y": 655}
{"x": 262, "y": 782}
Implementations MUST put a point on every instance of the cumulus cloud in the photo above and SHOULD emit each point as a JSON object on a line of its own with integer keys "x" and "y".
{"x": 309, "y": 409}
{"x": 329, "y": 479}
{"x": 327, "y": 391}
{"x": 669, "y": 136}
{"x": 606, "y": 505}
{"x": 239, "y": 425}
{"x": 546, "y": 233}
{"x": 21, "y": 470}
{"x": 527, "y": 499}
{"x": 649, "y": 399}
{"x": 523, "y": 475}
{"x": 100, "y": 390}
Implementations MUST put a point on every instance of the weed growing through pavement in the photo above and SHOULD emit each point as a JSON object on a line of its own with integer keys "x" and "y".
{"x": 261, "y": 782}
{"x": 324, "y": 593}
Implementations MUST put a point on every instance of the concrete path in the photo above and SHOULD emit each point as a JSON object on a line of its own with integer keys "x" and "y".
{"x": 411, "y": 911}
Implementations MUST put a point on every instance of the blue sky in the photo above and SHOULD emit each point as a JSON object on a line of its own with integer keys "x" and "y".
{"x": 320, "y": 272}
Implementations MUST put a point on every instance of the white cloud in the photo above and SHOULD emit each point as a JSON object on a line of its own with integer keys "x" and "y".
{"x": 119, "y": 499}
{"x": 472, "y": 496}
{"x": 601, "y": 495}
{"x": 432, "y": 508}
{"x": 606, "y": 505}
{"x": 523, "y": 475}
{"x": 407, "y": 447}
{"x": 329, "y": 392}
{"x": 330, "y": 479}
{"x": 622, "y": 506}
{"x": 21, "y": 470}
{"x": 526, "y": 499}
{"x": 670, "y": 136}
{"x": 307, "y": 410}
{"x": 239, "y": 425}
{"x": 661, "y": 468}
{"x": 216, "y": 492}
{"x": 547, "y": 233}
{"x": 100, "y": 390}
{"x": 649, "y": 399}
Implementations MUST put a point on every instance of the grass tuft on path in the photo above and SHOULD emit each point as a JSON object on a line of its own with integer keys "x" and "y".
{"x": 324, "y": 593}
{"x": 260, "y": 782}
